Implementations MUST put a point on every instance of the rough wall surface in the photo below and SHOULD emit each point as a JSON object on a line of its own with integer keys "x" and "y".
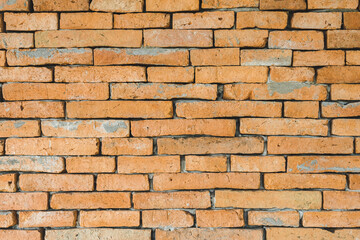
{"x": 180, "y": 119}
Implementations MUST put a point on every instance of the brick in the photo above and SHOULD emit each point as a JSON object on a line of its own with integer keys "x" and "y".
{"x": 303, "y": 145}
{"x": 142, "y": 20}
{"x": 33, "y": 109}
{"x": 184, "y": 199}
{"x": 15, "y": 201}
{"x": 331, "y": 219}
{"x": 17, "y": 5}
{"x": 30, "y": 21}
{"x": 345, "y": 92}
{"x": 25, "y": 74}
{"x": 187, "y": 181}
{"x": 151, "y": 164}
{"x": 279, "y": 218}
{"x": 100, "y": 74}
{"x": 292, "y": 74}
{"x": 19, "y": 128}
{"x": 117, "y": 6}
{"x": 220, "y": 218}
{"x": 298, "y": 40}
{"x": 170, "y": 74}
{"x": 352, "y": 57}
{"x": 206, "y": 163}
{"x": 88, "y": 38}
{"x": 351, "y": 20}
{"x": 203, "y": 20}
{"x": 62, "y": 5}
{"x": 92, "y": 200}
{"x": 276, "y": 91}
{"x": 209, "y": 234}
{"x": 354, "y": 182}
{"x": 261, "y": 19}
{"x": 343, "y": 39}
{"x": 167, "y": 219}
{"x": 319, "y": 58}
{"x": 312, "y": 20}
{"x": 322, "y": 164}
{"x": 109, "y": 218}
{"x": 210, "y": 145}
{"x": 8, "y": 182}
{"x": 7, "y": 219}
{"x": 127, "y": 146}
{"x": 101, "y": 233}
{"x": 173, "y": 127}
{"x": 171, "y": 5}
{"x": 215, "y": 56}
{"x": 2, "y": 147}
{"x": 333, "y": 4}
{"x": 16, "y": 40}
{"x": 52, "y": 146}
{"x": 56, "y": 182}
{"x": 301, "y": 109}
{"x": 146, "y": 56}
{"x": 119, "y": 182}
{"x": 266, "y": 57}
{"x": 345, "y": 127}
{"x": 341, "y": 200}
{"x": 88, "y": 20}
{"x": 228, "y": 109}
{"x": 357, "y": 145}
{"x": 241, "y": 38}
{"x": 90, "y": 164}
{"x": 334, "y": 109}
{"x": 162, "y": 91}
{"x": 268, "y": 199}
{"x": 308, "y": 233}
{"x": 257, "y": 163}
{"x": 55, "y": 91}
{"x": 2, "y": 58}
{"x": 339, "y": 74}
{"x": 119, "y": 109}
{"x": 20, "y": 234}
{"x": 276, "y": 181}
{"x": 229, "y": 3}
{"x": 282, "y": 4}
{"x": 47, "y": 219}
{"x": 280, "y": 126}
{"x": 231, "y": 74}
{"x": 31, "y": 164}
{"x": 178, "y": 38}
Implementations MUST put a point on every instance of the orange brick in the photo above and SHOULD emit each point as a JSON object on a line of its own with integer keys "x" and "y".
{"x": 62, "y": 5}
{"x": 215, "y": 56}
{"x": 52, "y": 146}
{"x": 300, "y": 40}
{"x": 334, "y": 109}
{"x": 302, "y": 109}
{"x": 316, "y": 20}
{"x": 15, "y": 201}
{"x": 220, "y": 218}
{"x": 90, "y": 164}
{"x": 282, "y": 4}
{"x": 341, "y": 200}
{"x": 266, "y": 57}
{"x": 142, "y": 20}
{"x": 276, "y": 181}
{"x": 357, "y": 145}
{"x": 333, "y": 4}
{"x": 279, "y": 218}
{"x": 228, "y": 109}
{"x": 151, "y": 164}
{"x": 247, "y": 74}
{"x": 92, "y": 200}
{"x": 31, "y": 109}
{"x": 203, "y": 20}
{"x": 184, "y": 199}
{"x": 20, "y": 234}
{"x": 213, "y": 145}
{"x": 17, "y": 5}
{"x": 331, "y": 219}
{"x": 117, "y": 6}
{"x": 229, "y": 3}
{"x": 25, "y": 74}
{"x": 343, "y": 39}
{"x": 19, "y": 128}
{"x": 119, "y": 109}
{"x": 257, "y": 164}
{"x": 127, "y": 146}
{"x": 119, "y": 182}
{"x": 209, "y": 234}
{"x": 319, "y": 58}
{"x": 303, "y": 145}
{"x": 162, "y": 91}
{"x": 31, "y": 21}
{"x": 88, "y": 38}
{"x": 47, "y": 219}
{"x": 280, "y": 126}
{"x": 100, "y": 74}
{"x": 354, "y": 182}
{"x": 187, "y": 181}
{"x": 352, "y": 57}
{"x": 339, "y": 74}
{"x": 148, "y": 56}
{"x": 268, "y": 199}
{"x": 8, "y": 182}
{"x": 178, "y": 38}
{"x": 351, "y": 20}
{"x": 346, "y": 127}
{"x": 291, "y": 74}
{"x": 345, "y": 92}
{"x": 102, "y": 233}
{"x": 32, "y": 164}
{"x": 171, "y": 5}
{"x": 56, "y": 182}
{"x": 261, "y": 19}
{"x": 241, "y": 38}
{"x": 173, "y": 127}
{"x": 89, "y": 20}
{"x": 206, "y": 163}
{"x": 7, "y": 219}
{"x": 109, "y": 218}
{"x": 309, "y": 233}
{"x": 170, "y": 74}
{"x": 167, "y": 219}
{"x": 2, "y": 147}
{"x": 16, "y": 40}
{"x": 2, "y": 58}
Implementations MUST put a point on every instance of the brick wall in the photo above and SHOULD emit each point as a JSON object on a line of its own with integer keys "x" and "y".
{"x": 180, "y": 119}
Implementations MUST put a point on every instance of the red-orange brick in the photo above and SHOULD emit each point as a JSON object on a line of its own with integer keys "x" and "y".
{"x": 15, "y": 201}
{"x": 352, "y": 57}
{"x": 90, "y": 164}
{"x": 291, "y": 74}
{"x": 142, "y": 20}
{"x": 300, "y": 40}
{"x": 341, "y": 200}
{"x": 333, "y": 4}
{"x": 8, "y": 182}
{"x": 215, "y": 56}
{"x": 301, "y": 109}
{"x": 86, "y": 21}
{"x": 127, "y": 146}
{"x": 257, "y": 164}
{"x": 310, "y": 233}
{"x": 279, "y": 218}
{"x": 206, "y": 163}
{"x": 339, "y": 74}
{"x": 47, "y": 219}
{"x": 351, "y": 20}
{"x": 343, "y": 39}
{"x": 220, "y": 218}
{"x": 149, "y": 164}
{"x": 261, "y": 19}
{"x": 109, "y": 218}
{"x": 354, "y": 181}
{"x": 102, "y": 233}
{"x": 331, "y": 219}
{"x": 25, "y": 74}
{"x": 7, "y": 219}
{"x": 167, "y": 218}
{"x": 204, "y": 20}
{"x": 345, "y": 92}
{"x": 20, "y": 234}
{"x": 171, "y": 5}
{"x": 31, "y": 109}
{"x": 170, "y": 74}
{"x": 241, "y": 38}
{"x": 266, "y": 57}
{"x": 19, "y": 128}
{"x": 31, "y": 21}
{"x": 178, "y": 38}
{"x": 62, "y": 5}
{"x": 117, "y": 6}
{"x": 319, "y": 58}
{"x": 282, "y": 4}
{"x": 229, "y": 3}
{"x": 119, "y": 182}
{"x": 209, "y": 234}
{"x": 316, "y": 20}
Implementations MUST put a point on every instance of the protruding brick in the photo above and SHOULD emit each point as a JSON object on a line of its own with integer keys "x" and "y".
{"x": 335, "y": 109}
{"x": 88, "y": 20}
{"x": 16, "y": 40}
{"x": 178, "y": 38}
{"x": 171, "y": 5}
{"x": 31, "y": 109}
{"x": 353, "y": 57}
{"x": 266, "y": 57}
{"x": 117, "y": 6}
{"x": 119, "y": 182}
{"x": 25, "y": 74}
{"x": 167, "y": 218}
{"x": 345, "y": 92}
{"x": 215, "y": 56}
{"x": 220, "y": 218}
{"x": 8, "y": 182}
{"x": 291, "y": 74}
{"x": 7, "y": 219}
{"x": 31, "y": 21}
{"x": 300, "y": 40}
{"x": 333, "y": 4}
{"x": 343, "y": 39}
{"x": 151, "y": 164}
{"x": 341, "y": 200}
{"x": 351, "y": 20}
{"x": 331, "y": 219}
{"x": 142, "y": 20}
{"x": 229, "y": 3}
{"x": 339, "y": 74}
{"x": 317, "y": 20}
{"x": 282, "y": 4}
{"x": 310, "y": 233}
{"x": 261, "y": 19}
{"x": 206, "y": 163}
{"x": 20, "y": 234}
{"x": 279, "y": 218}
{"x": 109, "y": 218}
{"x": 257, "y": 164}
{"x": 127, "y": 146}
{"x": 102, "y": 233}
{"x": 319, "y": 58}
{"x": 241, "y": 38}
{"x": 301, "y": 109}
{"x": 203, "y": 20}
{"x": 47, "y": 219}
{"x": 32, "y": 164}
{"x": 170, "y": 74}
{"x": 62, "y": 5}
{"x": 15, "y": 201}
{"x": 19, "y": 128}
{"x": 90, "y": 164}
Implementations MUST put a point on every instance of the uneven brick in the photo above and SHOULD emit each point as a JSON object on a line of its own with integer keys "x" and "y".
{"x": 319, "y": 58}
{"x": 117, "y": 6}
{"x": 339, "y": 74}
{"x": 209, "y": 234}
{"x": 20, "y": 234}
{"x": 343, "y": 39}
{"x": 8, "y": 182}
{"x": 25, "y": 74}
{"x": 90, "y": 164}
{"x": 206, "y": 163}
{"x": 291, "y": 74}
{"x": 229, "y": 3}
{"x": 119, "y": 182}
{"x": 62, "y": 5}
{"x": 241, "y": 38}
{"x": 17, "y": 5}
{"x": 354, "y": 181}
{"x": 333, "y": 4}
{"x": 204, "y": 20}
{"x": 31, "y": 21}
{"x": 331, "y": 219}
{"x": 298, "y": 40}
{"x": 220, "y": 218}
{"x": 345, "y": 92}
{"x": 7, "y": 219}
{"x": 351, "y": 20}
{"x": 352, "y": 57}
{"x": 171, "y": 5}
{"x": 266, "y": 57}
{"x": 170, "y": 74}
{"x": 310, "y": 233}
{"x": 2, "y": 58}
{"x": 15, "y": 201}
{"x": 31, "y": 164}
{"x": 279, "y": 218}
{"x": 316, "y": 20}
{"x": 261, "y": 19}
{"x": 178, "y": 38}
{"x": 142, "y": 20}
{"x": 16, "y": 40}
{"x": 19, "y": 128}
{"x": 150, "y": 164}
{"x": 345, "y": 127}
{"x": 257, "y": 163}
{"x": 101, "y": 233}
{"x": 87, "y": 20}
{"x": 301, "y": 109}
{"x": 47, "y": 219}
{"x": 215, "y": 56}
{"x": 282, "y": 4}
{"x": 31, "y": 109}
{"x": 166, "y": 218}
{"x": 109, "y": 218}
{"x": 127, "y": 146}
{"x": 341, "y": 200}
{"x": 335, "y": 109}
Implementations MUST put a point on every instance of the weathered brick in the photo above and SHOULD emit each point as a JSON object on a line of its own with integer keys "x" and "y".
{"x": 31, "y": 109}
{"x": 343, "y": 39}
{"x": 206, "y": 163}
{"x": 62, "y": 5}
{"x": 331, "y": 219}
{"x": 345, "y": 92}
{"x": 209, "y": 234}
{"x": 333, "y": 4}
{"x": 279, "y": 218}
{"x": 170, "y": 74}
{"x": 31, "y": 21}
{"x": 301, "y": 109}
{"x": 229, "y": 3}
{"x": 339, "y": 74}
{"x": 261, "y": 19}
{"x": 127, "y": 146}
{"x": 215, "y": 56}
{"x": 2, "y": 58}
{"x": 87, "y": 20}
{"x": 345, "y": 127}
{"x": 32, "y": 164}
{"x": 299, "y": 40}
{"x": 25, "y": 74}
{"x": 120, "y": 182}
{"x": 266, "y": 57}
{"x": 291, "y": 74}
{"x": 117, "y": 6}
{"x": 282, "y": 4}
{"x": 167, "y": 218}
{"x": 15, "y": 201}
{"x": 102, "y": 233}
{"x": 341, "y": 200}
{"x": 178, "y": 38}
{"x": 353, "y": 57}
{"x": 354, "y": 181}
{"x": 19, "y": 128}
{"x": 7, "y": 219}
{"x": 241, "y": 38}
{"x": 47, "y": 219}
{"x": 335, "y": 109}
{"x": 220, "y": 218}
{"x": 8, "y": 182}
{"x": 351, "y": 20}
{"x": 151, "y": 164}
{"x": 142, "y": 20}
{"x": 171, "y": 5}
{"x": 257, "y": 163}
{"x": 90, "y": 164}
{"x": 203, "y": 20}
{"x": 16, "y": 40}
{"x": 109, "y": 218}
{"x": 316, "y": 20}
{"x": 319, "y": 58}
{"x": 310, "y": 233}
{"x": 20, "y": 234}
